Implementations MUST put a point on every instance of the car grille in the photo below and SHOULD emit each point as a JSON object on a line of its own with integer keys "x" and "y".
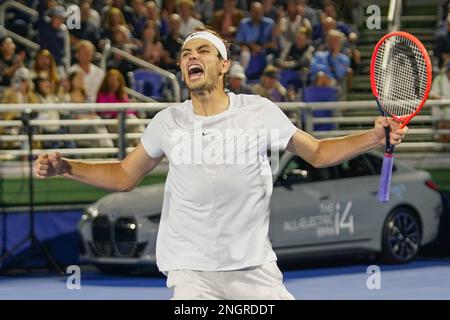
{"x": 116, "y": 238}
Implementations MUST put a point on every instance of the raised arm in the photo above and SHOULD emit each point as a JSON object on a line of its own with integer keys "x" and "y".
{"x": 329, "y": 152}
{"x": 114, "y": 175}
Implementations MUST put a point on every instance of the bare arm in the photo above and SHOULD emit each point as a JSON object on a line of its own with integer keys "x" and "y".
{"x": 329, "y": 152}
{"x": 115, "y": 175}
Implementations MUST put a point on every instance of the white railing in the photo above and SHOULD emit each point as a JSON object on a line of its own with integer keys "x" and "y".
{"x": 351, "y": 117}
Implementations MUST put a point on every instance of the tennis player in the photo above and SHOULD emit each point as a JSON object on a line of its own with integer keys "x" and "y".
{"x": 213, "y": 236}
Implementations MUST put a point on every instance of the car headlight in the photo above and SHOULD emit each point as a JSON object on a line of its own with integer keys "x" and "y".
{"x": 90, "y": 213}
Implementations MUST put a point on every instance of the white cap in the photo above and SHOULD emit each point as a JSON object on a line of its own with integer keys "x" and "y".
{"x": 237, "y": 71}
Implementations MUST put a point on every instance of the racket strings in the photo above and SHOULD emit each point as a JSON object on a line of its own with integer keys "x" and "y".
{"x": 400, "y": 76}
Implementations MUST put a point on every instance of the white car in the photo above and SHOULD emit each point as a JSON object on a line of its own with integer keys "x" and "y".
{"x": 313, "y": 212}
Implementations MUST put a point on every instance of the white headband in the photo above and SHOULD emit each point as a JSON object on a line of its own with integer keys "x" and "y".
{"x": 208, "y": 36}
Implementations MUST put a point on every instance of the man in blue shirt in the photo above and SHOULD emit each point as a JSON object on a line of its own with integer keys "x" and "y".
{"x": 254, "y": 35}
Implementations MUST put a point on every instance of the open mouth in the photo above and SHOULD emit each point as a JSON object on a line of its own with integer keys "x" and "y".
{"x": 195, "y": 71}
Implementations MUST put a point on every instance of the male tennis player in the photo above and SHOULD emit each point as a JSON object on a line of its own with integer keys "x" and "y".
{"x": 213, "y": 236}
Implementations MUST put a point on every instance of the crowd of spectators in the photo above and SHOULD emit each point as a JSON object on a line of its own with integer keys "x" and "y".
{"x": 279, "y": 50}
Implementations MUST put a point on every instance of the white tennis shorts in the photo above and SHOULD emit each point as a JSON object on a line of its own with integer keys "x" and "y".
{"x": 257, "y": 283}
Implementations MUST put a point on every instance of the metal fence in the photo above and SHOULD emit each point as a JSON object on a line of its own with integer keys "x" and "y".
{"x": 426, "y": 144}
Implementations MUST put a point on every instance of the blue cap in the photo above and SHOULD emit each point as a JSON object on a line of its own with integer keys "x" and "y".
{"x": 57, "y": 11}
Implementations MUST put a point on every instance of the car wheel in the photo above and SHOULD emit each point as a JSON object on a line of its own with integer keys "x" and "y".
{"x": 401, "y": 236}
{"x": 115, "y": 270}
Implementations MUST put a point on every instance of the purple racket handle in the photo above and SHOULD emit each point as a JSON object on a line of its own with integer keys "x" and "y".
{"x": 385, "y": 179}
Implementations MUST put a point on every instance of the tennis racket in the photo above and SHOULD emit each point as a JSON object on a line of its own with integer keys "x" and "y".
{"x": 400, "y": 76}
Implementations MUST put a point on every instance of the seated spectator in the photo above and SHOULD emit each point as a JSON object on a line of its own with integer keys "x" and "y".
{"x": 93, "y": 75}
{"x": 172, "y": 43}
{"x": 255, "y": 37}
{"x": 44, "y": 64}
{"x": 113, "y": 20}
{"x": 298, "y": 55}
{"x": 330, "y": 10}
{"x": 113, "y": 91}
{"x": 94, "y": 16}
{"x": 19, "y": 92}
{"x": 227, "y": 20}
{"x": 292, "y": 22}
{"x": 442, "y": 44}
{"x": 51, "y": 35}
{"x": 188, "y": 22}
{"x": 10, "y": 61}
{"x": 320, "y": 33}
{"x": 309, "y": 13}
{"x": 237, "y": 80}
{"x": 127, "y": 11}
{"x": 141, "y": 17}
{"x": 335, "y": 64}
{"x": 440, "y": 89}
{"x": 77, "y": 94}
{"x": 168, "y": 7}
{"x": 353, "y": 53}
{"x": 153, "y": 14}
{"x": 321, "y": 90}
{"x": 152, "y": 48}
{"x": 270, "y": 87}
{"x": 46, "y": 95}
{"x": 88, "y": 29}
{"x": 203, "y": 10}
{"x": 270, "y": 11}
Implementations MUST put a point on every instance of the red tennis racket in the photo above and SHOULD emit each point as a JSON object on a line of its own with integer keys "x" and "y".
{"x": 400, "y": 76}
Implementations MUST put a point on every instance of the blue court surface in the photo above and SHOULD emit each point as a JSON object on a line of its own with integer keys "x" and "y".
{"x": 423, "y": 279}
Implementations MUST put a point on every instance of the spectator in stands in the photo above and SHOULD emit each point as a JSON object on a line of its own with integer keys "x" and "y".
{"x": 51, "y": 35}
{"x": 442, "y": 44}
{"x": 227, "y": 20}
{"x": 94, "y": 16}
{"x": 270, "y": 11}
{"x": 237, "y": 80}
{"x": 320, "y": 33}
{"x": 154, "y": 15}
{"x": 254, "y": 36}
{"x": 114, "y": 18}
{"x": 113, "y": 91}
{"x": 141, "y": 17}
{"x": 20, "y": 91}
{"x": 298, "y": 55}
{"x": 152, "y": 48}
{"x": 188, "y": 22}
{"x": 10, "y": 61}
{"x": 310, "y": 13}
{"x": 203, "y": 10}
{"x": 46, "y": 95}
{"x": 353, "y": 52}
{"x": 330, "y": 10}
{"x": 93, "y": 75}
{"x": 45, "y": 65}
{"x": 77, "y": 94}
{"x": 332, "y": 62}
{"x": 292, "y": 22}
{"x": 321, "y": 90}
{"x": 88, "y": 30}
{"x": 172, "y": 43}
{"x": 441, "y": 90}
{"x": 168, "y": 8}
{"x": 127, "y": 11}
{"x": 270, "y": 87}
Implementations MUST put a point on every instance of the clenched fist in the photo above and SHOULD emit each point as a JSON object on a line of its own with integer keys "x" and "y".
{"x": 49, "y": 165}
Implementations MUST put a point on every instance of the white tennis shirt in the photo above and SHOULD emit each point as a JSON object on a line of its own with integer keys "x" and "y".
{"x": 215, "y": 215}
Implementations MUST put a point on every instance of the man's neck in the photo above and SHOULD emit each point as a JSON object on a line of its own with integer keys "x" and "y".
{"x": 210, "y": 103}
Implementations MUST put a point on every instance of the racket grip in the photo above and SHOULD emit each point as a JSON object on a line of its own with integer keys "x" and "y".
{"x": 385, "y": 179}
